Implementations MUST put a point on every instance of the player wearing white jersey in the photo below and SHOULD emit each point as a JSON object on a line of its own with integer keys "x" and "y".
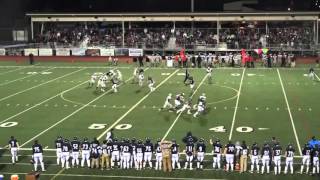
{"x": 186, "y": 106}
{"x": 151, "y": 84}
{"x": 179, "y": 100}
{"x": 93, "y": 79}
{"x": 200, "y": 109}
{"x": 209, "y": 74}
{"x": 167, "y": 103}
{"x": 141, "y": 79}
{"x": 119, "y": 75}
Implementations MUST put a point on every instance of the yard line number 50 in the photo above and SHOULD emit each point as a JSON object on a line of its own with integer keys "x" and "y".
{"x": 96, "y": 126}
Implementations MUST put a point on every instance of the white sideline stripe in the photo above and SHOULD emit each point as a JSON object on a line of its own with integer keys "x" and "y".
{"x": 110, "y": 176}
{"x": 134, "y": 106}
{"x": 38, "y": 104}
{"x": 289, "y": 111}
{"x": 128, "y": 67}
{"x": 12, "y": 70}
{"x": 40, "y": 84}
{"x": 237, "y": 103}
{"x": 24, "y": 77}
{"x": 176, "y": 120}
{"x": 65, "y": 118}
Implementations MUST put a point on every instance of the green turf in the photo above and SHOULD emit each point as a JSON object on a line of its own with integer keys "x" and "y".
{"x": 48, "y": 105}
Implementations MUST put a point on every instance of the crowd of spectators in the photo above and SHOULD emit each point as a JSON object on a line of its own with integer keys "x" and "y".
{"x": 249, "y": 37}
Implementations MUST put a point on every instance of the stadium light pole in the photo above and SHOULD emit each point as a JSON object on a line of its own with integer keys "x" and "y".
{"x": 192, "y": 5}
{"x": 31, "y": 27}
{"x": 122, "y": 33}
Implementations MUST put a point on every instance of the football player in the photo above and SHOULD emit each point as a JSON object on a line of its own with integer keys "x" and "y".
{"x": 229, "y": 152}
{"x": 95, "y": 153}
{"x": 311, "y": 73}
{"x": 315, "y": 157}
{"x": 135, "y": 75}
{"x": 140, "y": 151}
{"x": 216, "y": 151}
{"x": 201, "y": 150}
{"x": 148, "y": 150}
{"x": 37, "y": 156}
{"x": 289, "y": 159}
{"x": 151, "y": 84}
{"x": 14, "y": 148}
{"x": 102, "y": 83}
{"x": 254, "y": 156}
{"x": 119, "y": 76}
{"x": 114, "y": 87}
{"x": 126, "y": 153}
{"x": 158, "y": 151}
{"x": 179, "y": 100}
{"x": 115, "y": 155}
{"x": 121, "y": 152}
{"x": 186, "y": 106}
{"x": 141, "y": 77}
{"x": 209, "y": 74}
{"x": 85, "y": 152}
{"x": 191, "y": 83}
{"x": 65, "y": 154}
{"x": 75, "y": 145}
{"x": 266, "y": 153}
{"x": 58, "y": 145}
{"x": 93, "y": 79}
{"x": 200, "y": 109}
{"x": 133, "y": 160}
{"x": 277, "y": 151}
{"x": 306, "y": 155}
{"x": 175, "y": 154}
{"x": 189, "y": 153}
{"x": 167, "y": 103}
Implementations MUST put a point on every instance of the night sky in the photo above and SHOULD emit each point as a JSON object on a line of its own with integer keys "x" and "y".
{"x": 11, "y": 10}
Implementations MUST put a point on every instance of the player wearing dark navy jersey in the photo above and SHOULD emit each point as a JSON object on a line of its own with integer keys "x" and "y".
{"x": 175, "y": 154}
{"x": 37, "y": 156}
{"x": 201, "y": 150}
{"x": 85, "y": 152}
{"x": 14, "y": 148}
{"x": 190, "y": 152}
{"x": 75, "y": 146}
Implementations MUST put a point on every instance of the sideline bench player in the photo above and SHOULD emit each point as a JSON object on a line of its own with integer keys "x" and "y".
{"x": 37, "y": 156}
{"x": 14, "y": 148}
{"x": 58, "y": 145}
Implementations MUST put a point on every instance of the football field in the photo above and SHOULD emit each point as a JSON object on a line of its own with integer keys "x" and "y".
{"x": 46, "y": 100}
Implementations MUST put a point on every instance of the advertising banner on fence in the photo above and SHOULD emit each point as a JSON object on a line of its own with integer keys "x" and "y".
{"x": 2, "y": 52}
{"x": 27, "y": 52}
{"x": 93, "y": 52}
{"x": 45, "y": 52}
{"x": 106, "y": 52}
{"x": 135, "y": 52}
{"x": 78, "y": 52}
{"x": 62, "y": 52}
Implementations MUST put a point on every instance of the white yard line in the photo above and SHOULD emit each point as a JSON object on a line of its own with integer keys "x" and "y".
{"x": 40, "y": 85}
{"x": 290, "y": 115}
{"x": 237, "y": 103}
{"x": 65, "y": 118}
{"x": 317, "y": 76}
{"x": 12, "y": 70}
{"x": 176, "y": 120}
{"x": 134, "y": 106}
{"x": 38, "y": 104}
{"x": 24, "y": 77}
